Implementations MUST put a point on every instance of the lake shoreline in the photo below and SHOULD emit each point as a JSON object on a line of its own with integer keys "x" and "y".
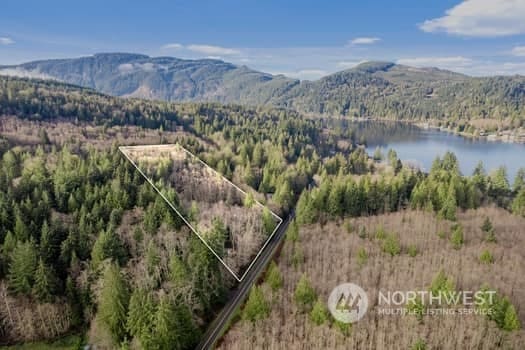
{"x": 504, "y": 136}
{"x": 420, "y": 144}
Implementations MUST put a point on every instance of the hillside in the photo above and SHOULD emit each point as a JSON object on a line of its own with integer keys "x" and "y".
{"x": 161, "y": 78}
{"x": 372, "y": 89}
{"x": 332, "y": 254}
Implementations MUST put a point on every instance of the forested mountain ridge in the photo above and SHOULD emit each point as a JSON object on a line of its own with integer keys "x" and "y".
{"x": 371, "y": 89}
{"x": 161, "y": 78}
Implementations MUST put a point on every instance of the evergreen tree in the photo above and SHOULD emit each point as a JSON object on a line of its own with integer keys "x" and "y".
{"x": 292, "y": 233}
{"x": 448, "y": 210}
{"x": 362, "y": 256}
{"x": 392, "y": 157}
{"x": 488, "y": 229}
{"x": 47, "y": 246}
{"x": 178, "y": 271}
{"x": 74, "y": 301}
{"x": 479, "y": 177}
{"x": 518, "y": 205}
{"x": 249, "y": 201}
{"x": 22, "y": 268}
{"x": 486, "y": 257}
{"x": 305, "y": 210}
{"x": 9, "y": 244}
{"x": 441, "y": 284}
{"x": 343, "y": 327}
{"x": 378, "y": 155}
{"x": 304, "y": 294}
{"x": 108, "y": 246}
{"x": 152, "y": 218}
{"x": 152, "y": 257}
{"x": 398, "y": 166}
{"x": 256, "y": 307}
{"x": 273, "y": 277}
{"x": 218, "y": 236}
{"x": 141, "y": 317}
{"x": 284, "y": 194}
{"x": 499, "y": 184}
{"x": 208, "y": 285}
{"x": 391, "y": 245}
{"x": 21, "y": 230}
{"x": 249, "y": 176}
{"x": 519, "y": 181}
{"x": 44, "y": 285}
{"x": 319, "y": 315}
{"x": 450, "y": 163}
{"x": 419, "y": 345}
{"x": 335, "y": 200}
{"x": 166, "y": 334}
{"x": 511, "y": 320}
{"x": 268, "y": 220}
{"x": 457, "y": 237}
{"x": 113, "y": 303}
{"x": 258, "y": 155}
{"x": 11, "y": 164}
{"x": 188, "y": 333}
{"x": 487, "y": 225}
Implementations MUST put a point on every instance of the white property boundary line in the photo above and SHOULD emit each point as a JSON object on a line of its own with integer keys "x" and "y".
{"x": 123, "y": 150}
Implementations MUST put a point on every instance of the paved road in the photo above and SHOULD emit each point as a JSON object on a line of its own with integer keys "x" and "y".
{"x": 216, "y": 328}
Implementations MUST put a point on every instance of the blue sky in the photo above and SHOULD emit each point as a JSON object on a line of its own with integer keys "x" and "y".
{"x": 305, "y": 39}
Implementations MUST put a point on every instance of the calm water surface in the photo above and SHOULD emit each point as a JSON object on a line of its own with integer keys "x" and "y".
{"x": 422, "y": 146}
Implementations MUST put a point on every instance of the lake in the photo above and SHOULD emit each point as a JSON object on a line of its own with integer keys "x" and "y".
{"x": 421, "y": 146}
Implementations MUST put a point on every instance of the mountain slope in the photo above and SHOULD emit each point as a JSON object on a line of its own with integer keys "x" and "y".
{"x": 164, "y": 78}
{"x": 371, "y": 89}
{"x": 387, "y": 90}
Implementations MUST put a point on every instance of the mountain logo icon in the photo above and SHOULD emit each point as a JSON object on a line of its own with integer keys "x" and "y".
{"x": 348, "y": 302}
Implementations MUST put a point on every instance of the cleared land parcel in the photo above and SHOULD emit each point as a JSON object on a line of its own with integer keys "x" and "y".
{"x": 227, "y": 219}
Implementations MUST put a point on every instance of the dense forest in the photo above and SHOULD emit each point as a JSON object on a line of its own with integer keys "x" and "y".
{"x": 87, "y": 247}
{"x": 371, "y": 89}
{"x": 86, "y": 244}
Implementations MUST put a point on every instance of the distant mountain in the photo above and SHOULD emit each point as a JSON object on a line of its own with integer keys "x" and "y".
{"x": 163, "y": 78}
{"x": 374, "y": 89}
{"x": 388, "y": 90}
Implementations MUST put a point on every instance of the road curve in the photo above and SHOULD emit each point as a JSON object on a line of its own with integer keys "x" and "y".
{"x": 214, "y": 331}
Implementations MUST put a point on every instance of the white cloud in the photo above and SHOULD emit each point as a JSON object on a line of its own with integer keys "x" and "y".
{"x": 209, "y": 50}
{"x": 481, "y": 18}
{"x": 24, "y": 73}
{"x": 348, "y": 64}
{"x": 489, "y": 68}
{"x": 172, "y": 46}
{"x": 304, "y": 74}
{"x": 213, "y": 50}
{"x": 6, "y": 41}
{"x": 364, "y": 41}
{"x": 148, "y": 66}
{"x": 480, "y": 67}
{"x": 453, "y": 62}
{"x": 125, "y": 67}
{"x": 134, "y": 67}
{"x": 519, "y": 51}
